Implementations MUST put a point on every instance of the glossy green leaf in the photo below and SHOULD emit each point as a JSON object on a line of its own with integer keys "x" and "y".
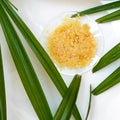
{"x": 112, "y": 19}
{"x": 66, "y": 107}
{"x": 109, "y": 17}
{"x": 3, "y": 114}
{"x": 109, "y": 82}
{"x": 25, "y": 69}
{"x": 40, "y": 53}
{"x": 89, "y": 104}
{"x": 100, "y": 8}
{"x": 13, "y": 6}
{"x": 108, "y": 58}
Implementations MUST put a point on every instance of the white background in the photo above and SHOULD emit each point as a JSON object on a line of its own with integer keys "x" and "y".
{"x": 36, "y": 14}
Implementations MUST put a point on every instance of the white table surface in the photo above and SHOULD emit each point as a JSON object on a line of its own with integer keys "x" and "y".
{"x": 36, "y": 13}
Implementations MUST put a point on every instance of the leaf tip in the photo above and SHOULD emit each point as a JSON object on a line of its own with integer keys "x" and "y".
{"x": 94, "y": 70}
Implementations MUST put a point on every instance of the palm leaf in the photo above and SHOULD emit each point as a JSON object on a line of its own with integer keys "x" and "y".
{"x": 3, "y": 114}
{"x": 109, "y": 17}
{"x": 109, "y": 82}
{"x": 111, "y": 56}
{"x": 40, "y": 53}
{"x": 89, "y": 104}
{"x": 99, "y": 8}
{"x": 25, "y": 69}
{"x": 66, "y": 107}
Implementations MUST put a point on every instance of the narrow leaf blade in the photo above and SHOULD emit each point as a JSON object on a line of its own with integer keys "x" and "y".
{"x": 89, "y": 104}
{"x": 109, "y": 17}
{"x": 25, "y": 69}
{"x": 66, "y": 107}
{"x": 108, "y": 58}
{"x": 37, "y": 48}
{"x": 40, "y": 53}
{"x": 109, "y": 82}
{"x": 110, "y": 20}
{"x": 98, "y": 8}
{"x": 3, "y": 114}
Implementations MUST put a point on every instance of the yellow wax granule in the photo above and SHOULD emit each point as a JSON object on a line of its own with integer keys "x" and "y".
{"x": 71, "y": 44}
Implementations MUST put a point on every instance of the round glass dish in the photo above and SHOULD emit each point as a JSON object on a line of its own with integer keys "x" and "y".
{"x": 94, "y": 29}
